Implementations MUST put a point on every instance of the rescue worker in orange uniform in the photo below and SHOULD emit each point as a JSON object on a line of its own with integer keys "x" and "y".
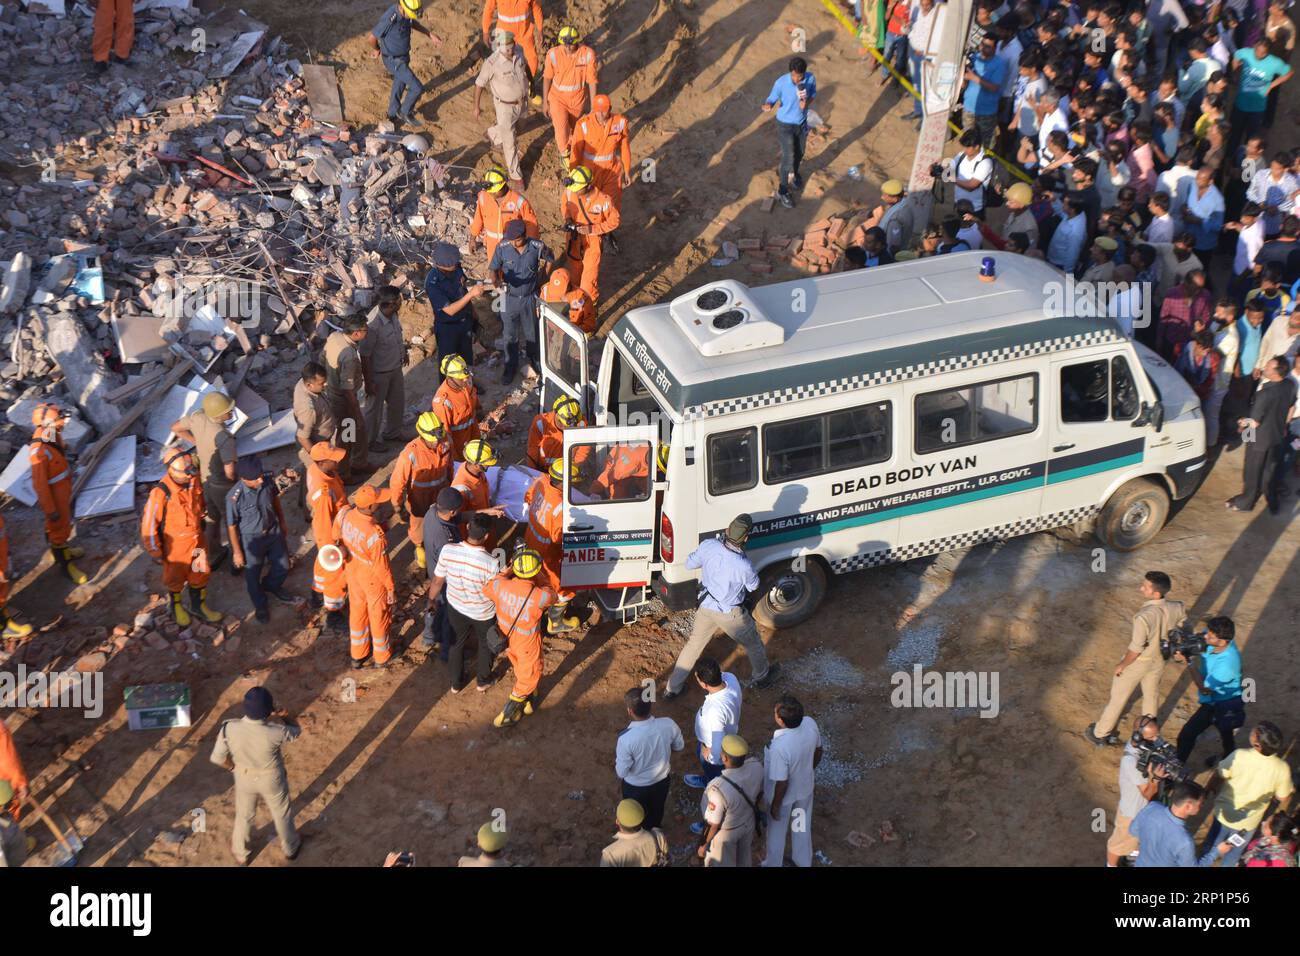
{"x": 326, "y": 496}
{"x": 624, "y": 474}
{"x": 371, "y": 592}
{"x": 422, "y": 470}
{"x": 600, "y": 142}
{"x": 12, "y": 628}
{"x": 567, "y": 78}
{"x": 497, "y": 205}
{"x": 52, "y": 482}
{"x": 545, "y": 535}
{"x": 589, "y": 215}
{"x": 472, "y": 480}
{"x": 114, "y": 27}
{"x": 546, "y": 434}
{"x": 172, "y": 533}
{"x": 456, "y": 404}
{"x": 577, "y": 303}
{"x": 521, "y": 603}
{"x": 523, "y": 18}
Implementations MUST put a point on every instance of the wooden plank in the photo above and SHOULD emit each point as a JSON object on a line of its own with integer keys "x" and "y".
{"x": 284, "y": 296}
{"x": 323, "y": 93}
{"x": 130, "y": 388}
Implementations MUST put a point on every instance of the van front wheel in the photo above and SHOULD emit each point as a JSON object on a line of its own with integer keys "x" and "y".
{"x": 1133, "y": 515}
{"x": 790, "y": 596}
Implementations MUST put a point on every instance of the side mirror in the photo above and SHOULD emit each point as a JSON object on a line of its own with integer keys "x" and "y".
{"x": 1153, "y": 415}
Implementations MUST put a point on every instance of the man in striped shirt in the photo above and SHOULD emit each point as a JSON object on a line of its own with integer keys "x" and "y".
{"x": 460, "y": 574}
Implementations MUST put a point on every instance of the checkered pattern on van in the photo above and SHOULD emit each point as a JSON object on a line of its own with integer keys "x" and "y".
{"x": 965, "y": 540}
{"x": 904, "y": 373}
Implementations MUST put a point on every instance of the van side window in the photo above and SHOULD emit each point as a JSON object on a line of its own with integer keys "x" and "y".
{"x": 824, "y": 443}
{"x": 1098, "y": 391}
{"x": 610, "y": 472}
{"x": 976, "y": 413}
{"x": 733, "y": 461}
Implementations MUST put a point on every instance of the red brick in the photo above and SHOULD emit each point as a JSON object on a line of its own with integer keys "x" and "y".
{"x": 746, "y": 245}
{"x": 761, "y": 268}
{"x": 767, "y": 203}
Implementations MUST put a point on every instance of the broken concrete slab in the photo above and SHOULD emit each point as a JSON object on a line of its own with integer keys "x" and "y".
{"x": 111, "y": 488}
{"x": 139, "y": 338}
{"x": 323, "y": 94}
{"x": 16, "y": 283}
{"x": 275, "y": 432}
{"x": 89, "y": 382}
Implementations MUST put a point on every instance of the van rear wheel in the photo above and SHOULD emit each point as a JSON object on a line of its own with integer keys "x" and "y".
{"x": 790, "y": 596}
{"x": 1133, "y": 515}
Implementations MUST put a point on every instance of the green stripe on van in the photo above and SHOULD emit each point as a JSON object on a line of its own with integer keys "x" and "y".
{"x": 1085, "y": 470}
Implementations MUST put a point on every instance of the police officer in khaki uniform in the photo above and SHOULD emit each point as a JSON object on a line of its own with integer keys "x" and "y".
{"x": 491, "y": 844}
{"x": 729, "y": 805}
{"x": 250, "y": 748}
{"x": 505, "y": 74}
{"x": 1142, "y": 663}
{"x": 383, "y": 353}
{"x": 344, "y": 378}
{"x": 633, "y": 844}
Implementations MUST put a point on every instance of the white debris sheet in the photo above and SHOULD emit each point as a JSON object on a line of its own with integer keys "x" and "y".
{"x": 274, "y": 432}
{"x": 111, "y": 490}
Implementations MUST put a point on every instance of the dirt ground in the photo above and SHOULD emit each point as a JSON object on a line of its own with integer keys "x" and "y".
{"x": 394, "y": 761}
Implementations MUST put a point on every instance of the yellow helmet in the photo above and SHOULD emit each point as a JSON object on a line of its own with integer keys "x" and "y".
{"x": 217, "y": 405}
{"x": 429, "y": 427}
{"x": 567, "y": 411}
{"x": 479, "y": 452}
{"x": 579, "y": 179}
{"x": 556, "y": 471}
{"x": 662, "y": 456}
{"x": 495, "y": 179}
{"x": 412, "y": 8}
{"x": 526, "y": 563}
{"x": 454, "y": 366}
{"x": 569, "y": 34}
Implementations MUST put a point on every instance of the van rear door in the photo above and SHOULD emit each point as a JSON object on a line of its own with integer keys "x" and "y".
{"x": 609, "y": 506}
{"x": 565, "y": 363}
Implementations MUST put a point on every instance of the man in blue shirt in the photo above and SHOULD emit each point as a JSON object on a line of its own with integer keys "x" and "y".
{"x": 258, "y": 535}
{"x": 1259, "y": 73}
{"x": 727, "y": 578}
{"x": 450, "y": 298}
{"x": 791, "y": 96}
{"x": 391, "y": 39}
{"x": 985, "y": 74}
{"x": 521, "y": 265}
{"x": 1217, "y": 673}
{"x": 1162, "y": 834}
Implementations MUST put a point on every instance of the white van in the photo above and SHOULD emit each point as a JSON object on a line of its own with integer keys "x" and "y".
{"x": 861, "y": 419}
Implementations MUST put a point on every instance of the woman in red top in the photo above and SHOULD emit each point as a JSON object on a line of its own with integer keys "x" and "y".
{"x": 1275, "y": 845}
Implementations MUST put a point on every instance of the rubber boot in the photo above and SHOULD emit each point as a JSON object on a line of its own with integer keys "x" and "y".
{"x": 556, "y": 622}
{"x": 511, "y": 713}
{"x": 529, "y": 707}
{"x": 12, "y": 628}
{"x": 419, "y": 557}
{"x": 199, "y": 605}
{"x": 512, "y": 364}
{"x": 74, "y": 552}
{"x": 70, "y": 570}
{"x": 179, "y": 614}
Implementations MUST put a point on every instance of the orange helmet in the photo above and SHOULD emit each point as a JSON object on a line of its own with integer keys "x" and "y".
{"x": 600, "y": 103}
{"x": 48, "y": 413}
{"x": 557, "y": 284}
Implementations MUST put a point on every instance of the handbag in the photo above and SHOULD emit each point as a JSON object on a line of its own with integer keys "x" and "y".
{"x": 503, "y": 641}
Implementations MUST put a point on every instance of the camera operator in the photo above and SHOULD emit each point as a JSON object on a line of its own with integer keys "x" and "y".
{"x": 1136, "y": 790}
{"x": 1217, "y": 672}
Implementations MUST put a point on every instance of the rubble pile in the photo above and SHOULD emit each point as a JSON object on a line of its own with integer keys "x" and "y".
{"x": 188, "y": 208}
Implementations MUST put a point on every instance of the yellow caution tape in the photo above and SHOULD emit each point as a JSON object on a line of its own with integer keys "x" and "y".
{"x": 845, "y": 22}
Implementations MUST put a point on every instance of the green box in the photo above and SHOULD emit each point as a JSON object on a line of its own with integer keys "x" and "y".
{"x": 157, "y": 706}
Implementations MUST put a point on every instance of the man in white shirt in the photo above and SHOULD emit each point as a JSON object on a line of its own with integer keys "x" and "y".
{"x": 1131, "y": 304}
{"x": 458, "y": 577}
{"x": 718, "y": 716}
{"x": 971, "y": 170}
{"x": 791, "y": 758}
{"x": 1177, "y": 181}
{"x": 1032, "y": 84}
{"x": 1051, "y": 117}
{"x": 643, "y": 755}
{"x": 1228, "y": 343}
{"x": 1250, "y": 239}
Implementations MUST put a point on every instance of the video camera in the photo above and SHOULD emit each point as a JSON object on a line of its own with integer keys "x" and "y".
{"x": 1160, "y": 753}
{"x": 1182, "y": 641}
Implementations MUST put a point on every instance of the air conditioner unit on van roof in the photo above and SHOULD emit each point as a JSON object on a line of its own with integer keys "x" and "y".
{"x": 722, "y": 317}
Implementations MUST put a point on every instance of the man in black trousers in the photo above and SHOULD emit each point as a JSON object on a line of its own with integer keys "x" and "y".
{"x": 1262, "y": 433}
{"x": 643, "y": 755}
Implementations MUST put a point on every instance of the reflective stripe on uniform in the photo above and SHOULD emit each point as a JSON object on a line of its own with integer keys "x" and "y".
{"x": 602, "y": 158}
{"x": 566, "y": 89}
{"x": 428, "y": 484}
{"x": 493, "y": 235}
{"x": 502, "y": 18}
{"x": 461, "y": 427}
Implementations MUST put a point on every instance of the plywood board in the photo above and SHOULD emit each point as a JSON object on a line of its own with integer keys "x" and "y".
{"x": 139, "y": 338}
{"x": 111, "y": 489}
{"x": 323, "y": 93}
